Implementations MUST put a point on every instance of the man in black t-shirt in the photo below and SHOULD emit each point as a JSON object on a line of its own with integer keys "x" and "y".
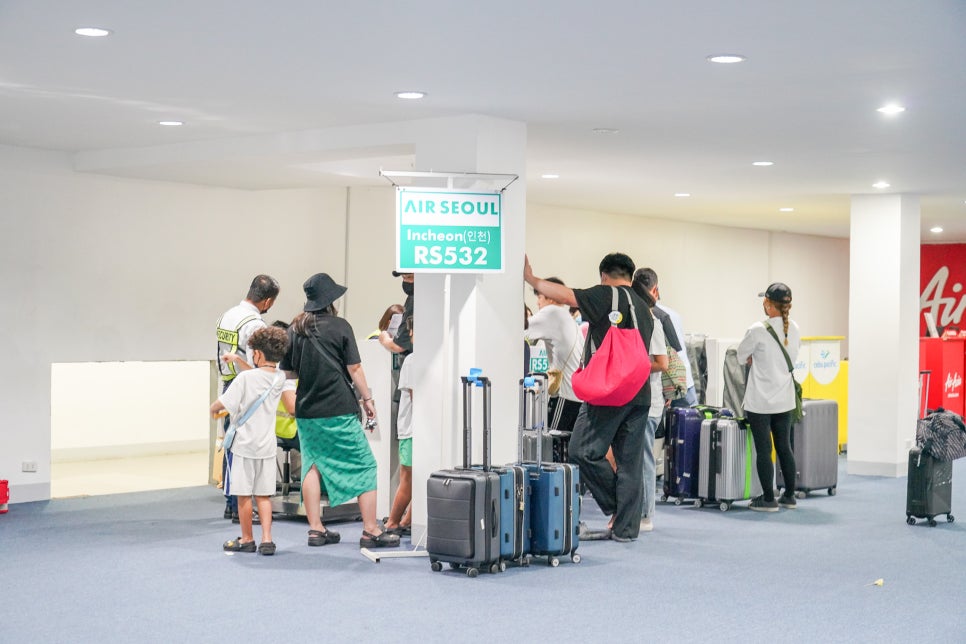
{"x": 598, "y": 428}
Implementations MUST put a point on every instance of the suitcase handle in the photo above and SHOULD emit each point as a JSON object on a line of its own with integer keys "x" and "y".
{"x": 468, "y": 383}
{"x": 533, "y": 410}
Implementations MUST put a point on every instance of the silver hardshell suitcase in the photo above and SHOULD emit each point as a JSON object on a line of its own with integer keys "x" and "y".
{"x": 726, "y": 463}
{"x": 815, "y": 443}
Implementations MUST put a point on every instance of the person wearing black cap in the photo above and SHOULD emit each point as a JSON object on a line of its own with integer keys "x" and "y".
{"x": 401, "y": 342}
{"x": 324, "y": 357}
{"x": 770, "y": 395}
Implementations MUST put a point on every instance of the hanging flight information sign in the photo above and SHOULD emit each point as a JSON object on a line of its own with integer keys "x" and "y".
{"x": 447, "y": 231}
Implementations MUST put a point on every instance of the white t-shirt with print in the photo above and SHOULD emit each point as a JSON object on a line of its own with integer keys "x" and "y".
{"x": 565, "y": 343}
{"x": 256, "y": 438}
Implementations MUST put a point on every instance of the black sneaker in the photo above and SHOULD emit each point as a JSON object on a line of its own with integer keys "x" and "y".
{"x": 787, "y": 502}
{"x": 759, "y": 504}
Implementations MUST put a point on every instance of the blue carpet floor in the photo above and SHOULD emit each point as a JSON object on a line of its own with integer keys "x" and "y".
{"x": 148, "y": 567}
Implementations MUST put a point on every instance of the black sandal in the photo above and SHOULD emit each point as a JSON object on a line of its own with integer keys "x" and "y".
{"x": 383, "y": 540}
{"x": 323, "y": 537}
{"x": 237, "y": 545}
{"x": 266, "y": 548}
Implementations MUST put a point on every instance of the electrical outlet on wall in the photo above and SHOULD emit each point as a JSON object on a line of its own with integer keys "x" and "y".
{"x": 30, "y": 466}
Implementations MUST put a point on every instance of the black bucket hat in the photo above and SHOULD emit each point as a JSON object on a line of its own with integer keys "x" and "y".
{"x": 321, "y": 291}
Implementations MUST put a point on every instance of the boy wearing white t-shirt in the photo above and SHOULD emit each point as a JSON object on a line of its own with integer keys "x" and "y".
{"x": 253, "y": 450}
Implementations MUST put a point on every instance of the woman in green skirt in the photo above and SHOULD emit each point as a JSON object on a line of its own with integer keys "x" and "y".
{"x": 324, "y": 355}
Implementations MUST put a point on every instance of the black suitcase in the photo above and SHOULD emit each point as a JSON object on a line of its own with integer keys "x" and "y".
{"x": 463, "y": 505}
{"x": 929, "y": 490}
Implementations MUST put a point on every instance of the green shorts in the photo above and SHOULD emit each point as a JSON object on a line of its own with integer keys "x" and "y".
{"x": 406, "y": 451}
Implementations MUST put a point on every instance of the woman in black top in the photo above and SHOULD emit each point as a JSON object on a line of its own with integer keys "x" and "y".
{"x": 324, "y": 356}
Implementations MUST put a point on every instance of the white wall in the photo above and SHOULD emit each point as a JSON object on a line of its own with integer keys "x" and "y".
{"x": 101, "y": 269}
{"x": 118, "y": 409}
{"x": 711, "y": 275}
{"x": 105, "y": 269}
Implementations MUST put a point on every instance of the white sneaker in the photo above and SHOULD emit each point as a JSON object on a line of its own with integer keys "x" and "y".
{"x": 646, "y": 524}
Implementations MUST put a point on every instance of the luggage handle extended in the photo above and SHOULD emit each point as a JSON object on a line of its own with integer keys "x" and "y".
{"x": 532, "y": 417}
{"x": 468, "y": 383}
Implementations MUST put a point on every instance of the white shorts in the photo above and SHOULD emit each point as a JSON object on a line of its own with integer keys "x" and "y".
{"x": 252, "y": 476}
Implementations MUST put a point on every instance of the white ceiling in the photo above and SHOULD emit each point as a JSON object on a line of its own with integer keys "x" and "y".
{"x": 240, "y": 72}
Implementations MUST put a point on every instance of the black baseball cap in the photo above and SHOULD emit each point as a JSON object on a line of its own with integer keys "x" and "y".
{"x": 778, "y": 292}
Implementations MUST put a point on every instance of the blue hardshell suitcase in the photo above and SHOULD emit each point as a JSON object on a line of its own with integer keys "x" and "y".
{"x": 682, "y": 447}
{"x": 554, "y": 487}
{"x": 464, "y": 504}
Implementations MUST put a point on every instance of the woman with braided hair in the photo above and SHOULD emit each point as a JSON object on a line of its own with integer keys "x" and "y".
{"x": 770, "y": 395}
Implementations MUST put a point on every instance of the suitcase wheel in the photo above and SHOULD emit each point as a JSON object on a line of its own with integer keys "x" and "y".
{"x": 664, "y": 498}
{"x": 677, "y": 501}
{"x": 724, "y": 506}
{"x": 932, "y": 522}
{"x": 497, "y": 567}
{"x": 472, "y": 572}
{"x": 910, "y": 520}
{"x": 801, "y": 494}
{"x": 831, "y": 491}
{"x": 454, "y": 565}
{"x": 698, "y": 503}
{"x": 553, "y": 562}
{"x": 575, "y": 558}
{"x": 950, "y": 518}
{"x": 436, "y": 566}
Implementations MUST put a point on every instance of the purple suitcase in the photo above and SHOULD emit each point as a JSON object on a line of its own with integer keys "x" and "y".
{"x": 681, "y": 451}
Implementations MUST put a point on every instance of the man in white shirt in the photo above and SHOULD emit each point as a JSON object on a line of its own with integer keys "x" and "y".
{"x": 650, "y": 282}
{"x": 553, "y": 324}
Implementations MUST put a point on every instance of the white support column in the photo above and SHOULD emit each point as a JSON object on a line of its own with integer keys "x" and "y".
{"x": 883, "y": 333}
{"x": 464, "y": 321}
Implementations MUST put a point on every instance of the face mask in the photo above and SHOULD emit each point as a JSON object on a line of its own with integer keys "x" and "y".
{"x": 408, "y": 288}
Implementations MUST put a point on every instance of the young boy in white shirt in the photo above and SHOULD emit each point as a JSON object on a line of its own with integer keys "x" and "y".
{"x": 253, "y": 450}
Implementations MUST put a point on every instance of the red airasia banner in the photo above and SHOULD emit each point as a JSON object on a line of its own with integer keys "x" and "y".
{"x": 942, "y": 278}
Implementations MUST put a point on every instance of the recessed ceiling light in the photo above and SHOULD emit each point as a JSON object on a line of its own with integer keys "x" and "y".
{"x": 786, "y": 210}
{"x": 763, "y": 163}
{"x": 891, "y": 109}
{"x": 880, "y": 184}
{"x": 605, "y": 130}
{"x": 92, "y": 32}
{"x": 549, "y": 176}
{"x": 171, "y": 123}
{"x": 410, "y": 95}
{"x": 726, "y": 58}
{"x": 936, "y": 229}
{"x": 682, "y": 194}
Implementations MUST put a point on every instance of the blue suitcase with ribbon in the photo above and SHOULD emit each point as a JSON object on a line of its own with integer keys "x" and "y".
{"x": 554, "y": 487}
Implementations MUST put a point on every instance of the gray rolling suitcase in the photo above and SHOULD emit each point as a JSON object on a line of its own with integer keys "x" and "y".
{"x": 463, "y": 504}
{"x": 815, "y": 443}
{"x": 726, "y": 463}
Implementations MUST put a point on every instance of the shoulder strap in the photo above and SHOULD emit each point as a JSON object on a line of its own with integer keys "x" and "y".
{"x": 331, "y": 360}
{"x": 255, "y": 405}
{"x": 784, "y": 350}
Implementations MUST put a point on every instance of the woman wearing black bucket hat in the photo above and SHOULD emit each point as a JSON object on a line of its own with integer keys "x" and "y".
{"x": 324, "y": 355}
{"x": 769, "y": 400}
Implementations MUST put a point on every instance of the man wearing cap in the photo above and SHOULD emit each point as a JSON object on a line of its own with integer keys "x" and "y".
{"x": 401, "y": 342}
{"x": 769, "y": 348}
{"x": 233, "y": 330}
